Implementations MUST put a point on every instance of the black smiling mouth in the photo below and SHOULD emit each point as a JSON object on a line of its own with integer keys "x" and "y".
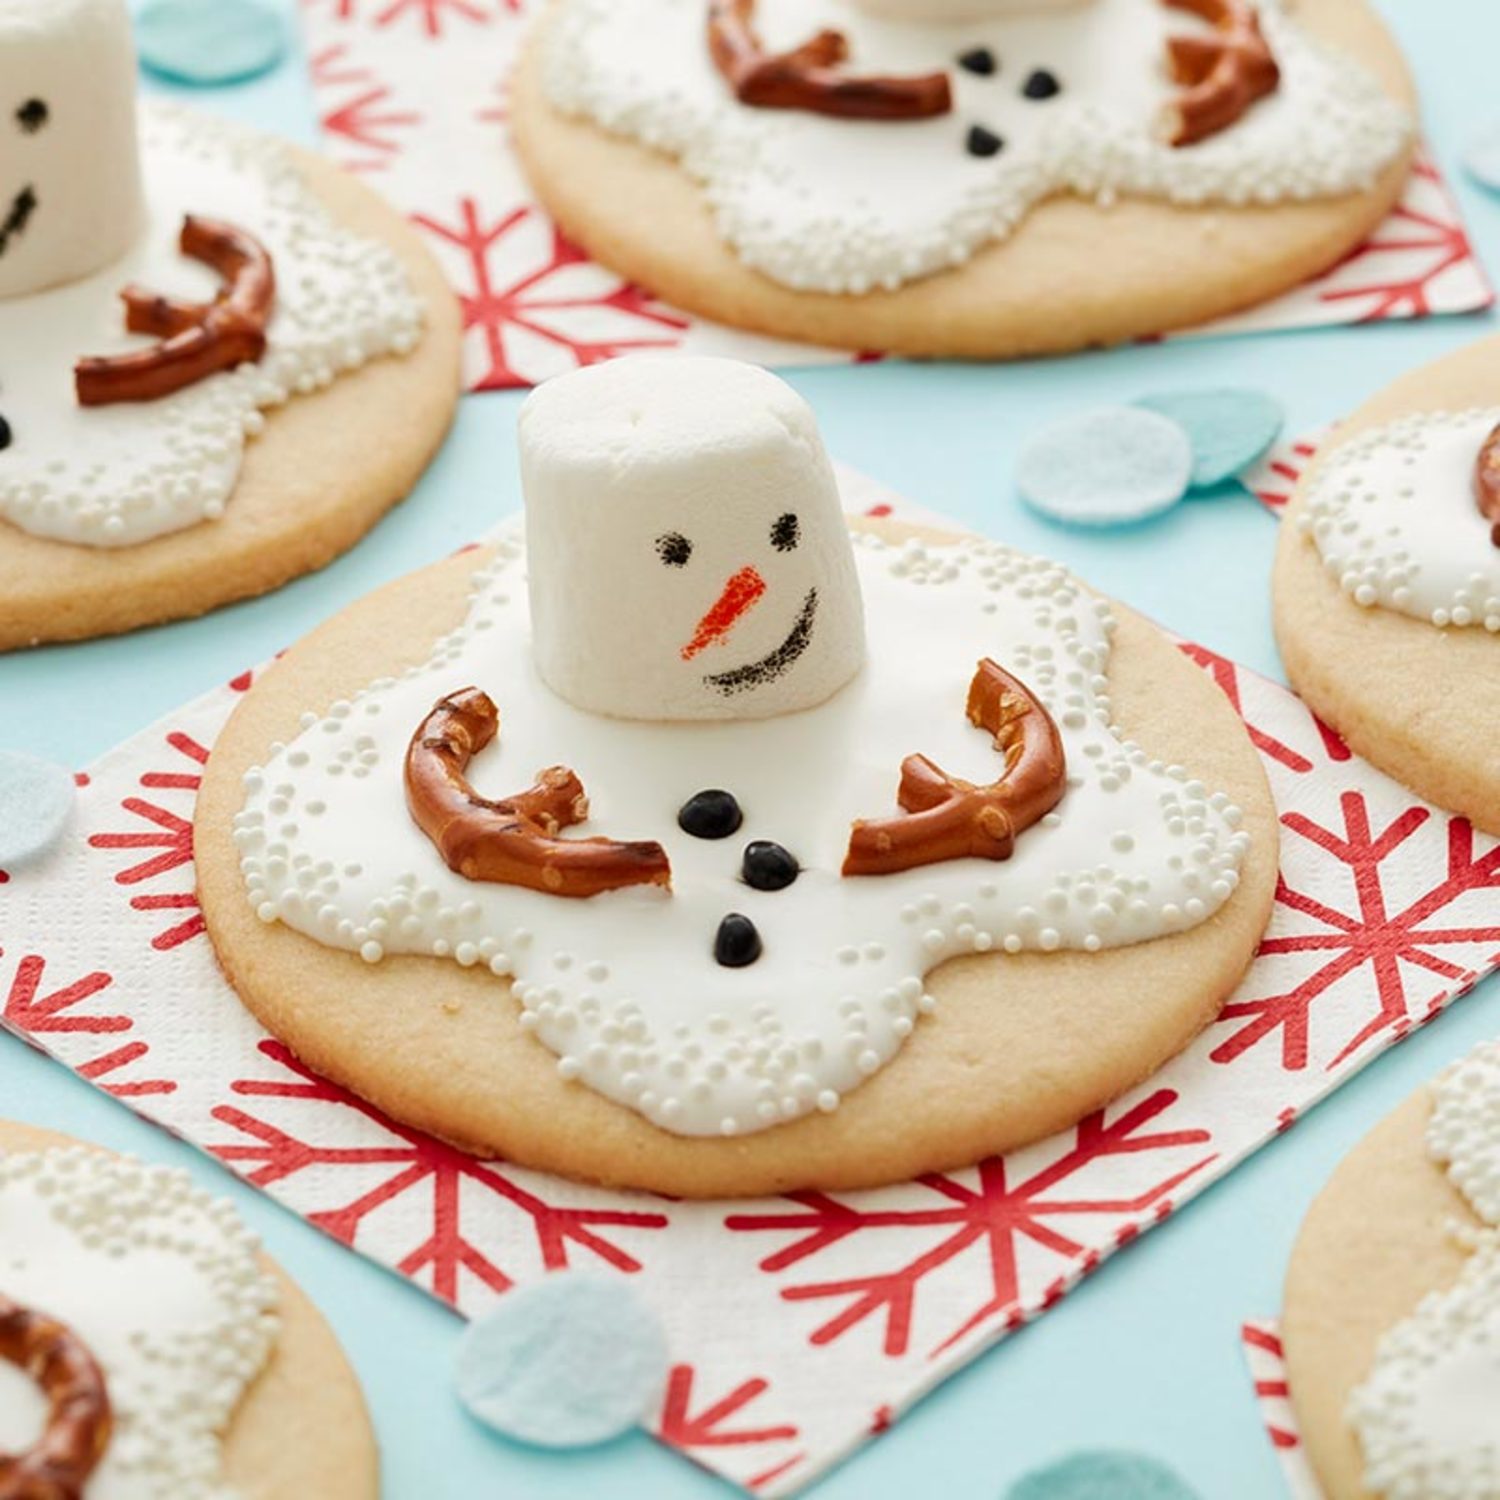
{"x": 13, "y": 225}
{"x": 771, "y": 666}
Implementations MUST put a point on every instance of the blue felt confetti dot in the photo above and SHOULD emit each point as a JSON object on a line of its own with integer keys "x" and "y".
{"x": 209, "y": 42}
{"x": 1229, "y": 429}
{"x": 1102, "y": 1475}
{"x": 570, "y": 1361}
{"x": 1106, "y": 467}
{"x": 1481, "y": 157}
{"x": 36, "y": 798}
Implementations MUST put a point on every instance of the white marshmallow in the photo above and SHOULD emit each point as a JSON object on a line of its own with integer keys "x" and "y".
{"x": 660, "y": 493}
{"x": 70, "y": 177}
{"x": 961, "y": 10}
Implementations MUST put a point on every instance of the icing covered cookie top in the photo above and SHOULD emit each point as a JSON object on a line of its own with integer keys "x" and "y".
{"x": 1425, "y": 1415}
{"x": 162, "y": 1286}
{"x": 1394, "y": 516}
{"x": 1068, "y": 99}
{"x": 70, "y": 182}
{"x": 738, "y": 932}
{"x": 115, "y": 475}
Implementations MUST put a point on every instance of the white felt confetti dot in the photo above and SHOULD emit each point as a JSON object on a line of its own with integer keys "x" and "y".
{"x": 35, "y": 800}
{"x": 570, "y": 1361}
{"x": 1106, "y": 467}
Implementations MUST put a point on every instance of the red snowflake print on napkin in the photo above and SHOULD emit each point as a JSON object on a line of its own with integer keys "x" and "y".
{"x": 987, "y": 1212}
{"x": 407, "y": 1167}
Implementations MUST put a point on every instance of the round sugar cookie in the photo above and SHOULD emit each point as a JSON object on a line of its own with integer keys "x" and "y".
{"x": 323, "y": 472}
{"x": 1376, "y": 1241}
{"x": 1047, "y": 288}
{"x": 1018, "y": 1047}
{"x": 1418, "y": 701}
{"x": 301, "y": 1428}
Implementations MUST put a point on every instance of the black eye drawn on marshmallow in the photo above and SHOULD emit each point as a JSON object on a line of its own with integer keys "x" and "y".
{"x": 32, "y": 115}
{"x": 674, "y": 549}
{"x": 786, "y": 533}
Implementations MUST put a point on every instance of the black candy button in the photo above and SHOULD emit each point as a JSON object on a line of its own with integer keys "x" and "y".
{"x": 1041, "y": 85}
{"x": 978, "y": 60}
{"x": 982, "y": 142}
{"x": 710, "y": 815}
{"x": 769, "y": 867}
{"x": 4, "y": 434}
{"x": 737, "y": 943}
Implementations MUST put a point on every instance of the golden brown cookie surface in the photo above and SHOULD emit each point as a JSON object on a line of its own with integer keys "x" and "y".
{"x": 302, "y": 1428}
{"x": 1417, "y": 701}
{"x": 640, "y": 214}
{"x": 1020, "y": 1046}
{"x": 1375, "y": 1242}
{"x": 327, "y": 467}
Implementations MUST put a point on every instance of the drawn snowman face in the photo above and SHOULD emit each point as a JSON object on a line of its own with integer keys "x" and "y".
{"x": 688, "y": 555}
{"x": 70, "y": 179}
{"x": 27, "y": 119}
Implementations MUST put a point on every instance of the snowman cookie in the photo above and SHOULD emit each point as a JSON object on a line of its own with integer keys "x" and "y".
{"x": 148, "y": 1349}
{"x": 221, "y": 360}
{"x": 688, "y": 843}
{"x": 1387, "y": 583}
{"x": 936, "y": 177}
{"x": 1392, "y": 1317}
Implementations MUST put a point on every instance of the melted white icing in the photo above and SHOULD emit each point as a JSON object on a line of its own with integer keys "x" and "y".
{"x": 115, "y": 475}
{"x": 1426, "y": 1413}
{"x": 1394, "y": 518}
{"x": 164, "y": 1285}
{"x": 624, "y": 987}
{"x": 846, "y": 206}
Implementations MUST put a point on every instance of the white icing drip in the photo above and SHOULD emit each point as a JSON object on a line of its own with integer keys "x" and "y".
{"x": 624, "y": 987}
{"x": 847, "y": 206}
{"x": 164, "y": 1285}
{"x": 1393, "y": 516}
{"x": 1425, "y": 1415}
{"x": 113, "y": 476}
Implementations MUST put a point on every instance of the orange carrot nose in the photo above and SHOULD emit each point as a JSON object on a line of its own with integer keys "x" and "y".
{"x": 739, "y": 594}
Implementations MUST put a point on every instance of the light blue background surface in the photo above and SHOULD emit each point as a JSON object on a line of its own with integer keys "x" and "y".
{"x": 1146, "y": 1353}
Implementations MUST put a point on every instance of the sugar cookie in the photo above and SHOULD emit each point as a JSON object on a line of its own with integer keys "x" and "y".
{"x": 655, "y": 1005}
{"x": 221, "y": 360}
{"x": 197, "y": 1367}
{"x": 941, "y": 184}
{"x": 1393, "y": 1301}
{"x": 1387, "y": 585}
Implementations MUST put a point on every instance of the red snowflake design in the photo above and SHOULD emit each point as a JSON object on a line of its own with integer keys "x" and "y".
{"x": 1389, "y": 944}
{"x": 364, "y": 117}
{"x": 171, "y": 835}
{"x": 1280, "y": 473}
{"x": 994, "y": 1216}
{"x": 34, "y": 1015}
{"x": 711, "y": 1426}
{"x": 273, "y": 1155}
{"x": 431, "y": 16}
{"x": 524, "y": 284}
{"x": 1226, "y": 675}
{"x": 1440, "y": 239}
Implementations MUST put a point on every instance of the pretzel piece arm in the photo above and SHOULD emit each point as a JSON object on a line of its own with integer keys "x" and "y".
{"x": 80, "y": 1419}
{"x": 1487, "y": 482}
{"x": 945, "y": 818}
{"x": 807, "y": 77}
{"x": 512, "y": 841}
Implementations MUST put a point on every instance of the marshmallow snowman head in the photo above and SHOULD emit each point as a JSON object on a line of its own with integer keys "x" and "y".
{"x": 687, "y": 554}
{"x": 70, "y": 179}
{"x": 943, "y": 11}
